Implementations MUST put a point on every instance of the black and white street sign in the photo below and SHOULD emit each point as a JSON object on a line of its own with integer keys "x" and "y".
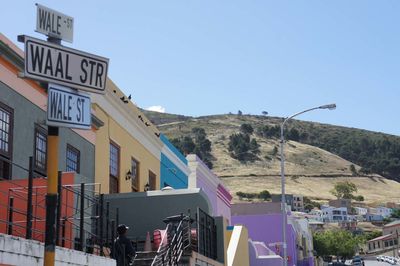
{"x": 65, "y": 66}
{"x": 68, "y": 108}
{"x": 54, "y": 24}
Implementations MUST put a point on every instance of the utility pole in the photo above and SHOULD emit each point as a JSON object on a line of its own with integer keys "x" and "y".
{"x": 52, "y": 187}
{"x": 51, "y": 196}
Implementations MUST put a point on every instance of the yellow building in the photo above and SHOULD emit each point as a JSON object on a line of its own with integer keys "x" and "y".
{"x": 128, "y": 149}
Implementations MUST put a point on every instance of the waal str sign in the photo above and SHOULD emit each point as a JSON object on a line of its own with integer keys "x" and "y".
{"x": 58, "y": 64}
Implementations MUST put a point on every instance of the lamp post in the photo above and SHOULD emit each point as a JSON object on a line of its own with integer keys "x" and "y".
{"x": 283, "y": 199}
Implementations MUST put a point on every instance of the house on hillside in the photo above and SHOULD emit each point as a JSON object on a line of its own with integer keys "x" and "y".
{"x": 339, "y": 203}
{"x": 389, "y": 240}
{"x": 295, "y": 201}
{"x": 332, "y": 214}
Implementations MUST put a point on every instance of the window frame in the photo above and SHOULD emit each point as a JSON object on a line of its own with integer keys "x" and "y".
{"x": 78, "y": 153}
{"x": 135, "y": 187}
{"x": 6, "y": 157}
{"x": 152, "y": 180}
{"x": 43, "y": 131}
{"x": 111, "y": 176}
{"x": 10, "y": 132}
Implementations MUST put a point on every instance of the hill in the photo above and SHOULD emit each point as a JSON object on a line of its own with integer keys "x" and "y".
{"x": 317, "y": 156}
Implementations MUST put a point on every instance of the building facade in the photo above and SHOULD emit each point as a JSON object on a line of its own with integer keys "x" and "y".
{"x": 174, "y": 168}
{"x": 332, "y": 214}
{"x": 389, "y": 240}
{"x": 202, "y": 177}
{"x": 128, "y": 148}
{"x": 23, "y": 105}
{"x": 264, "y": 223}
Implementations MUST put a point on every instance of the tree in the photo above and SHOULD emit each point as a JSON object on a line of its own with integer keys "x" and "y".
{"x": 344, "y": 190}
{"x": 359, "y": 198}
{"x": 293, "y": 134}
{"x": 199, "y": 145}
{"x": 353, "y": 170}
{"x": 396, "y": 214}
{"x": 264, "y": 195}
{"x": 246, "y": 129}
{"x": 240, "y": 112}
{"x": 264, "y": 113}
{"x": 274, "y": 151}
{"x": 242, "y": 148}
{"x": 254, "y": 146}
{"x": 341, "y": 243}
{"x": 371, "y": 235}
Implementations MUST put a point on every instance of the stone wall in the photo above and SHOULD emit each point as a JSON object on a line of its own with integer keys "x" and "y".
{"x": 20, "y": 251}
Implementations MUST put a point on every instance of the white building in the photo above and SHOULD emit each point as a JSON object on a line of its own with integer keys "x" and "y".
{"x": 332, "y": 214}
{"x": 361, "y": 211}
{"x": 316, "y": 215}
{"x": 385, "y": 212}
{"x": 298, "y": 203}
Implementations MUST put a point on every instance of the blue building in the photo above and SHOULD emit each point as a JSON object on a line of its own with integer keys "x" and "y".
{"x": 174, "y": 168}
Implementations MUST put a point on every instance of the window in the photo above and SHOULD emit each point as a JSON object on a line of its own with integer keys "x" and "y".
{"x": 152, "y": 180}
{"x": 114, "y": 167}
{"x": 6, "y": 134}
{"x": 73, "y": 159}
{"x": 40, "y": 155}
{"x": 135, "y": 174}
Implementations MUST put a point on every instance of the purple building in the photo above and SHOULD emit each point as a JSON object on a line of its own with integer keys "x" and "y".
{"x": 264, "y": 223}
{"x": 202, "y": 177}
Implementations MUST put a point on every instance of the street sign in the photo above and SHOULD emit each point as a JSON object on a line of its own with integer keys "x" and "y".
{"x": 54, "y": 24}
{"x": 68, "y": 108}
{"x": 65, "y": 66}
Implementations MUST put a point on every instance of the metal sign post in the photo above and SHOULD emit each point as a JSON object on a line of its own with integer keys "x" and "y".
{"x": 53, "y": 63}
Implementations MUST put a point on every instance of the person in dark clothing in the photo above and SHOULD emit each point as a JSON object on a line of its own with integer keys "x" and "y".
{"x": 122, "y": 250}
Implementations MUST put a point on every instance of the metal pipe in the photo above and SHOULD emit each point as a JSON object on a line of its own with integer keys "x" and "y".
{"x": 59, "y": 207}
{"x": 10, "y": 216}
{"x": 82, "y": 219}
{"x": 29, "y": 206}
{"x": 107, "y": 220}
{"x": 63, "y": 232}
{"x": 101, "y": 203}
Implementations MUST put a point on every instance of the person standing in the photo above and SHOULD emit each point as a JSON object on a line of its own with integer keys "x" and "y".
{"x": 122, "y": 250}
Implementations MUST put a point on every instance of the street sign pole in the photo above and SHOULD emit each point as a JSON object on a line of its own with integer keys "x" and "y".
{"x": 52, "y": 192}
{"x": 51, "y": 62}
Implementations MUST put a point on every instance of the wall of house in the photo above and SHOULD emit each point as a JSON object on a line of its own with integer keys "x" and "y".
{"x": 267, "y": 228}
{"x": 202, "y": 177}
{"x": 153, "y": 207}
{"x": 130, "y": 148}
{"x": 238, "y": 249}
{"x": 28, "y": 102}
{"x": 174, "y": 170}
{"x": 261, "y": 255}
{"x": 20, "y": 251}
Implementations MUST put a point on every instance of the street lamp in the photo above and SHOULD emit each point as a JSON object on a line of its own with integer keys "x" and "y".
{"x": 283, "y": 199}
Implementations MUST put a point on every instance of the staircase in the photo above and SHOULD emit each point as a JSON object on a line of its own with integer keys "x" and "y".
{"x": 174, "y": 246}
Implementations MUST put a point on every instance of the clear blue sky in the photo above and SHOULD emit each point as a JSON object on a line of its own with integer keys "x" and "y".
{"x": 211, "y": 57}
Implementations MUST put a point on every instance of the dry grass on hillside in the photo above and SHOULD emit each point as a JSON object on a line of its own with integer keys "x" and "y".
{"x": 311, "y": 171}
{"x": 375, "y": 189}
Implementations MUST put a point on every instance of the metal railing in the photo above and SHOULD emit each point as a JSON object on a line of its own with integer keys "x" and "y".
{"x": 176, "y": 239}
{"x": 84, "y": 220}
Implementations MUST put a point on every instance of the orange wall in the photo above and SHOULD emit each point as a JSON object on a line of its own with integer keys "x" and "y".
{"x": 17, "y": 189}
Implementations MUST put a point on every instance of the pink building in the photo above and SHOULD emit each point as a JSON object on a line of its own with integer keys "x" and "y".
{"x": 202, "y": 177}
